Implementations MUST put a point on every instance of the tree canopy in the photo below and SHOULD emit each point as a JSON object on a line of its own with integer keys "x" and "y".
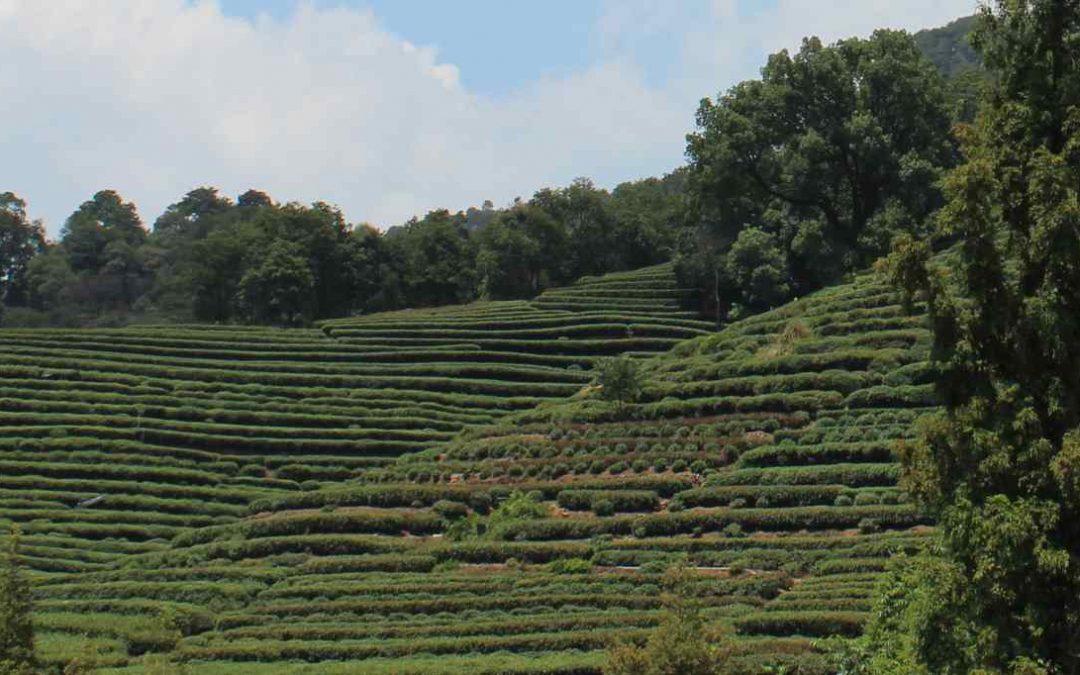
{"x": 1000, "y": 466}
{"x": 809, "y": 171}
{"x": 210, "y": 258}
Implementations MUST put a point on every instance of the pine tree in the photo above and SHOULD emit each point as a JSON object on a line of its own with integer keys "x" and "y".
{"x": 1001, "y": 466}
{"x": 16, "y": 627}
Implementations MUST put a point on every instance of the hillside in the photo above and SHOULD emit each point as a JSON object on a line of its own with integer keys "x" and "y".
{"x": 248, "y": 499}
{"x": 948, "y": 47}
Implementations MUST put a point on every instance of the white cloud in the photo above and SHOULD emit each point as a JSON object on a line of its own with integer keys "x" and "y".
{"x": 155, "y": 97}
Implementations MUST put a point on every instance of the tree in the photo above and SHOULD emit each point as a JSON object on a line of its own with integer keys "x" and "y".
{"x": 581, "y": 207}
{"x": 16, "y": 606}
{"x": 1001, "y": 466}
{"x": 647, "y": 216}
{"x": 831, "y": 152}
{"x": 620, "y": 379}
{"x": 20, "y": 241}
{"x": 279, "y": 289}
{"x": 682, "y": 644}
{"x": 520, "y": 252}
{"x": 374, "y": 275}
{"x": 103, "y": 220}
{"x": 192, "y": 217}
{"x": 756, "y": 270}
{"x": 437, "y": 259}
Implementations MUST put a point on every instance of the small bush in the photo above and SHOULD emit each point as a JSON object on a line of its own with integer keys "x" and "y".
{"x": 604, "y": 507}
{"x": 869, "y": 526}
{"x": 570, "y": 566}
{"x": 450, "y": 510}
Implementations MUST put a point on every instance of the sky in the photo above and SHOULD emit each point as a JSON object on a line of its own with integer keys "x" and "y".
{"x": 386, "y": 108}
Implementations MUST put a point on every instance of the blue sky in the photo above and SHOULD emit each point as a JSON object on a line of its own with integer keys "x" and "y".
{"x": 497, "y": 44}
{"x": 387, "y": 108}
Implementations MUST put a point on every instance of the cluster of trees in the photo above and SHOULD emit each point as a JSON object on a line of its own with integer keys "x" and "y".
{"x": 209, "y": 258}
{"x": 1000, "y": 467}
{"x": 794, "y": 180}
{"x": 806, "y": 174}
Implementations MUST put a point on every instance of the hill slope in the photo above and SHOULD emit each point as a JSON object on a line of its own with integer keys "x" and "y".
{"x": 760, "y": 454}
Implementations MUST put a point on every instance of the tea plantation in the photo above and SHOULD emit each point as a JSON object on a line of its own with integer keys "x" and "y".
{"x": 444, "y": 491}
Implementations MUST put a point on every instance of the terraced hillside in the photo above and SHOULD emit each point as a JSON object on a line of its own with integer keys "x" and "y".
{"x": 439, "y": 490}
{"x": 157, "y": 430}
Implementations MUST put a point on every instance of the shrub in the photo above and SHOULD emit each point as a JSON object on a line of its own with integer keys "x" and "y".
{"x": 843, "y": 500}
{"x": 16, "y": 626}
{"x": 869, "y": 526}
{"x": 252, "y": 471}
{"x": 450, "y": 510}
{"x": 604, "y": 507}
{"x": 732, "y": 530}
{"x": 570, "y": 566}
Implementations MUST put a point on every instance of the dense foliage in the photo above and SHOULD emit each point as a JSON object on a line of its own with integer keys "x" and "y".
{"x": 20, "y": 241}
{"x": 806, "y": 174}
{"x": 794, "y": 180}
{"x": 999, "y": 467}
{"x": 211, "y": 259}
{"x": 16, "y": 627}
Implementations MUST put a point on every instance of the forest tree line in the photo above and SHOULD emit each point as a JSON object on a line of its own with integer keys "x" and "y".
{"x": 793, "y": 181}
{"x": 209, "y": 258}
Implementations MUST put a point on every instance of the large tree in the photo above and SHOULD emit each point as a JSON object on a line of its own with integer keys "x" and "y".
{"x": 279, "y": 288}
{"x": 520, "y": 252}
{"x": 831, "y": 152}
{"x": 20, "y": 241}
{"x": 104, "y": 220}
{"x": 438, "y": 261}
{"x": 1001, "y": 466}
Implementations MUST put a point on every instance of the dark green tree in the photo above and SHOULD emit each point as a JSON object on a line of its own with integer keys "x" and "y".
{"x": 647, "y": 216}
{"x": 437, "y": 259}
{"x": 374, "y": 274}
{"x": 520, "y": 252}
{"x": 16, "y": 607}
{"x": 105, "y": 219}
{"x": 279, "y": 288}
{"x": 192, "y": 217}
{"x": 1001, "y": 466}
{"x": 755, "y": 269}
{"x": 20, "y": 241}
{"x": 581, "y": 207}
{"x": 831, "y": 152}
